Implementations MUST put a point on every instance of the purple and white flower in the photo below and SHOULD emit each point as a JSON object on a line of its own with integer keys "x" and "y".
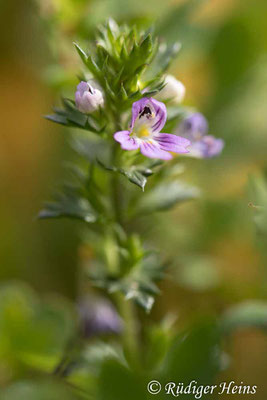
{"x": 148, "y": 118}
{"x": 195, "y": 128}
{"x": 88, "y": 98}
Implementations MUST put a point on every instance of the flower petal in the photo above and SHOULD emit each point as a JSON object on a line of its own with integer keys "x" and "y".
{"x": 152, "y": 150}
{"x": 82, "y": 87}
{"x": 159, "y": 119}
{"x": 193, "y": 127}
{"x": 127, "y": 142}
{"x": 161, "y": 115}
{"x": 169, "y": 142}
{"x": 207, "y": 147}
{"x": 137, "y": 108}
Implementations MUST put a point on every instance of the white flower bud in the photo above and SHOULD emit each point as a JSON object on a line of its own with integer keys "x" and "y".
{"x": 88, "y": 98}
{"x": 174, "y": 90}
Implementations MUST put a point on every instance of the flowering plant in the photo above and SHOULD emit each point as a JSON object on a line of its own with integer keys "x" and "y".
{"x": 124, "y": 103}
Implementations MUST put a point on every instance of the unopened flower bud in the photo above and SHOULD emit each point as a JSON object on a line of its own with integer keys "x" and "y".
{"x": 88, "y": 98}
{"x": 174, "y": 90}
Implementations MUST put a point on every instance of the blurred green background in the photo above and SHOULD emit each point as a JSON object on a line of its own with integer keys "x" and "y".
{"x": 220, "y": 253}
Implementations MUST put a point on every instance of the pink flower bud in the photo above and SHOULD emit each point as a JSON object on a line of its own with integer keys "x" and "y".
{"x": 87, "y": 98}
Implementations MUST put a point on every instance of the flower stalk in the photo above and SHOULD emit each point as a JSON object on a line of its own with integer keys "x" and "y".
{"x": 118, "y": 115}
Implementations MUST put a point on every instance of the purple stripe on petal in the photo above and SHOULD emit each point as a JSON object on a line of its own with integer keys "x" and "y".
{"x": 169, "y": 142}
{"x": 161, "y": 115}
{"x": 156, "y": 127}
{"x": 127, "y": 142}
{"x": 152, "y": 150}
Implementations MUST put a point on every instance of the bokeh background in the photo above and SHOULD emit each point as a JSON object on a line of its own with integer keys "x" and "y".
{"x": 220, "y": 253}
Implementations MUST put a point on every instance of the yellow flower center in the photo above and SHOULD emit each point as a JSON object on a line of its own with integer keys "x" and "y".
{"x": 143, "y": 132}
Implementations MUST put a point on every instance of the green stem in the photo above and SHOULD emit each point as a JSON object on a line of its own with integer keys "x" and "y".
{"x": 125, "y": 307}
{"x": 130, "y": 338}
{"x": 116, "y": 190}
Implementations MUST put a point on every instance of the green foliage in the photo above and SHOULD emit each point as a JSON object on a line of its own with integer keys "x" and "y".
{"x": 166, "y": 195}
{"x": 136, "y": 174}
{"x": 125, "y": 62}
{"x": 248, "y": 314}
{"x": 39, "y": 390}
{"x": 176, "y": 23}
{"x": 194, "y": 355}
{"x": 137, "y": 276}
{"x": 119, "y": 61}
{"x": 71, "y": 117}
{"x": 33, "y": 332}
{"x": 117, "y": 382}
{"x": 71, "y": 206}
{"x": 258, "y": 196}
{"x": 198, "y": 274}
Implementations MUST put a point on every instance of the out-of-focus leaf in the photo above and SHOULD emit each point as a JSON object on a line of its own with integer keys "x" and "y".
{"x": 261, "y": 220}
{"x": 234, "y": 42}
{"x": 165, "y": 55}
{"x": 166, "y": 195}
{"x": 57, "y": 118}
{"x": 39, "y": 390}
{"x": 248, "y": 314}
{"x": 156, "y": 347}
{"x": 69, "y": 205}
{"x": 193, "y": 355}
{"x": 258, "y": 201}
{"x": 84, "y": 373}
{"x": 33, "y": 332}
{"x": 118, "y": 382}
{"x": 176, "y": 20}
{"x": 198, "y": 274}
{"x": 138, "y": 281}
{"x": 92, "y": 149}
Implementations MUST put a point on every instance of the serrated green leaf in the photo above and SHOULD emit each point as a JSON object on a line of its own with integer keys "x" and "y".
{"x": 137, "y": 283}
{"x": 93, "y": 150}
{"x": 78, "y": 118}
{"x": 135, "y": 176}
{"x": 71, "y": 206}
